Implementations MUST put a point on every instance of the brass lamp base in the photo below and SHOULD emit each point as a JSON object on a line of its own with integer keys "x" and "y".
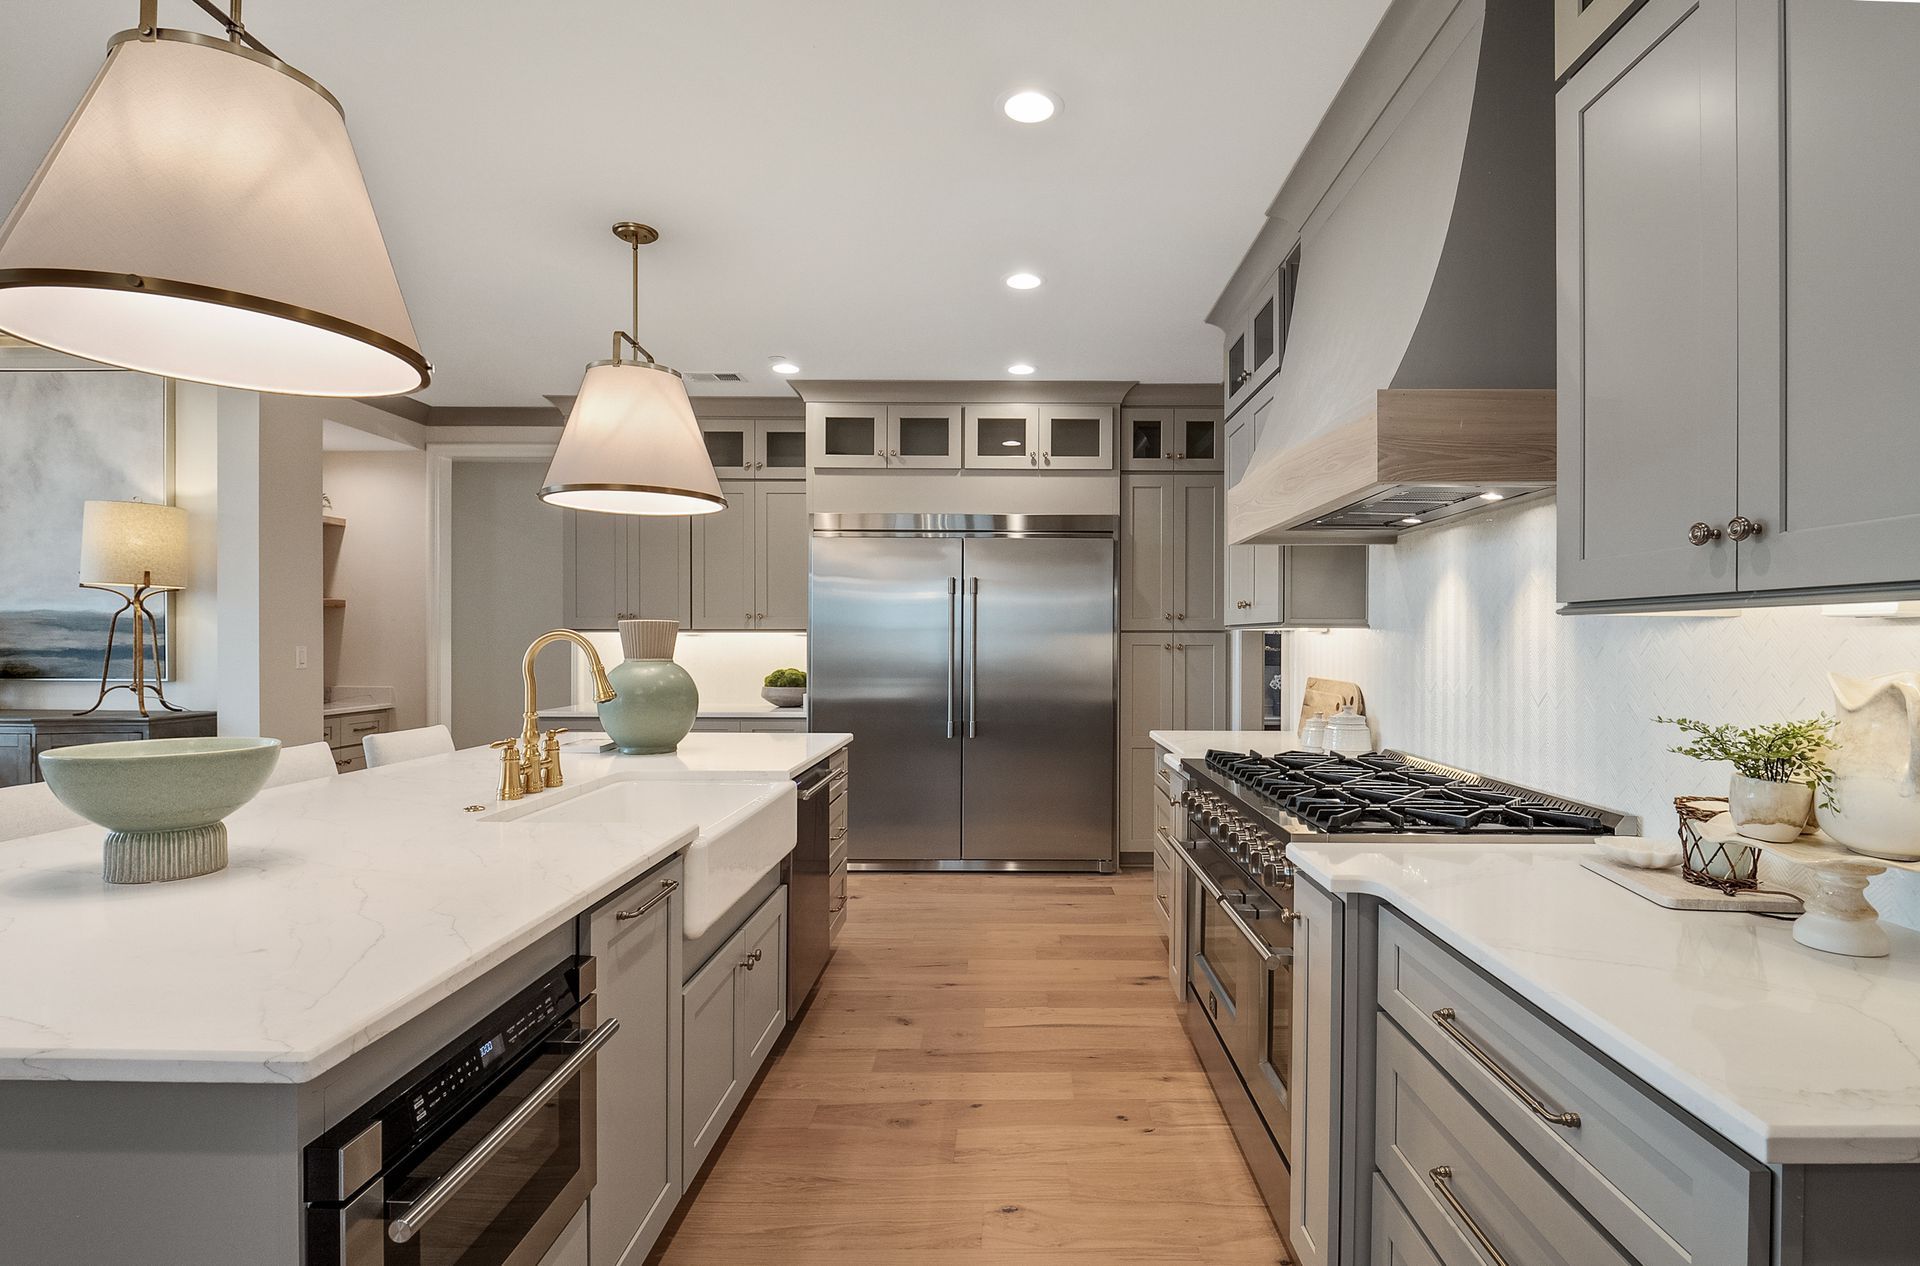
{"x": 144, "y": 633}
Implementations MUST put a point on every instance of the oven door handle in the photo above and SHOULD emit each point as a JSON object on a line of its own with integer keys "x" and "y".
{"x": 421, "y": 1211}
{"x": 1270, "y": 956}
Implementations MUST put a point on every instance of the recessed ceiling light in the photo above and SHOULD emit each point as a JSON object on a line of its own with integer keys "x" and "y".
{"x": 1023, "y": 281}
{"x": 1030, "y": 105}
{"x": 781, "y": 365}
{"x": 1493, "y": 496}
{"x": 1022, "y": 369}
{"x": 1410, "y": 521}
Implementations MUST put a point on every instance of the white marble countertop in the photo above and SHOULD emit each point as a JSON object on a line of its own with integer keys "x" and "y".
{"x": 351, "y": 905}
{"x": 1795, "y": 1056}
{"x": 1192, "y": 744}
{"x": 744, "y": 712}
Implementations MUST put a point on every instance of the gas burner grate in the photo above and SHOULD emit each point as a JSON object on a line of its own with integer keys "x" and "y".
{"x": 1386, "y": 792}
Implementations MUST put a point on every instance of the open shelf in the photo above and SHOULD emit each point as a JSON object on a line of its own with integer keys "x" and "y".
{"x": 333, "y": 604}
{"x": 332, "y": 521}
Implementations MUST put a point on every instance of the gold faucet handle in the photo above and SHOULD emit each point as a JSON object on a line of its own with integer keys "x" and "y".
{"x": 513, "y": 774}
{"x": 553, "y": 740}
{"x": 550, "y": 763}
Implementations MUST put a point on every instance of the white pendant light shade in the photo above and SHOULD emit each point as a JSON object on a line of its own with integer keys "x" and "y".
{"x": 202, "y": 216}
{"x": 632, "y": 446}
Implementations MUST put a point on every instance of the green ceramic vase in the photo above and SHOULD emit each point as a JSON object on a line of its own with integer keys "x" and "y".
{"x": 655, "y": 700}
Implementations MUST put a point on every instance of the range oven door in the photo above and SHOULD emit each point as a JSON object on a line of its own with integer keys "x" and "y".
{"x": 1240, "y": 964}
{"x": 499, "y": 1186}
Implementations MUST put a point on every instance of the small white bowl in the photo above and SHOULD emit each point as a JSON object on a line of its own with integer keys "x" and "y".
{"x": 1643, "y": 854}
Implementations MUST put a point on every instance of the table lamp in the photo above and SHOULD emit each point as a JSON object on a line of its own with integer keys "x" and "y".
{"x": 138, "y": 548}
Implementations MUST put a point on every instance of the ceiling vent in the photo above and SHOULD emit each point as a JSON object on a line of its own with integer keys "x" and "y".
{"x": 720, "y": 377}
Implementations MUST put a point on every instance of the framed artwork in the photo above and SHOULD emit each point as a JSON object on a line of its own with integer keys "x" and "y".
{"x": 68, "y": 437}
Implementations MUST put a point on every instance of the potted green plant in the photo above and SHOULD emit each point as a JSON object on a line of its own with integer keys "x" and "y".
{"x": 1776, "y": 771}
{"x": 785, "y": 687}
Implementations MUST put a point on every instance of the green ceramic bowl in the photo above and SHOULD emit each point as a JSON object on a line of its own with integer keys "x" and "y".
{"x": 159, "y": 784}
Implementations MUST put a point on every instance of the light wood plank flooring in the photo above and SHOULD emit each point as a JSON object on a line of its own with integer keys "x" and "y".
{"x": 992, "y": 1072}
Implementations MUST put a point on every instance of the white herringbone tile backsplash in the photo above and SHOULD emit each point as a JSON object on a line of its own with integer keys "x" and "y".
{"x": 1468, "y": 663}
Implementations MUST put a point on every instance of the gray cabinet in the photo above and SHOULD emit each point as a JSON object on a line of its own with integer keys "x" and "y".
{"x": 1255, "y": 341}
{"x": 1002, "y": 437}
{"x": 1171, "y": 568}
{"x": 1396, "y": 1240}
{"x": 1171, "y": 439}
{"x": 25, "y": 735}
{"x": 1313, "y": 1084}
{"x": 846, "y": 436}
{"x": 763, "y": 448}
{"x": 1649, "y": 398}
{"x": 1310, "y": 586}
{"x": 636, "y": 942}
{"x": 732, "y": 1011}
{"x": 780, "y": 556}
{"x": 1736, "y": 273}
{"x": 1168, "y": 681}
{"x": 625, "y": 566}
{"x": 750, "y": 559}
{"x": 1076, "y": 437}
{"x": 923, "y": 436}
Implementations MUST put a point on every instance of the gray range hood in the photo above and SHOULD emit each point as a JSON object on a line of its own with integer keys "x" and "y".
{"x": 1419, "y": 366}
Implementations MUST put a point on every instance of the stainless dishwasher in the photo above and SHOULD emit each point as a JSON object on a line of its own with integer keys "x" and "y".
{"x": 809, "y": 886}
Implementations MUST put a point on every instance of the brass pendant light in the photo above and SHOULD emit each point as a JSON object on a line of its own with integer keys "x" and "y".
{"x": 631, "y": 444}
{"x": 202, "y": 216}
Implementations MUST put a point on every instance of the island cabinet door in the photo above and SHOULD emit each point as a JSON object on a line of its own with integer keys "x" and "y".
{"x": 635, "y": 941}
{"x": 762, "y": 994}
{"x": 711, "y": 1079}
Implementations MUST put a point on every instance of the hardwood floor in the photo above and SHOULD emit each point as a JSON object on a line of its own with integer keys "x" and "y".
{"x": 992, "y": 1072}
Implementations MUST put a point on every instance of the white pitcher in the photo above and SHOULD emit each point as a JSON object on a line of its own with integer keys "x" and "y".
{"x": 1876, "y": 765}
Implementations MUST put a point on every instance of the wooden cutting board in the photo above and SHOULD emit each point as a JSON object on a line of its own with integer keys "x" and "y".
{"x": 1327, "y": 695}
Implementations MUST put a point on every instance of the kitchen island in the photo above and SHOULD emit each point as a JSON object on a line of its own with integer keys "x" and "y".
{"x": 167, "y": 1050}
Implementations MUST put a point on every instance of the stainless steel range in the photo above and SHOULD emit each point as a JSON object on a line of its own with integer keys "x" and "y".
{"x": 1241, "y": 812}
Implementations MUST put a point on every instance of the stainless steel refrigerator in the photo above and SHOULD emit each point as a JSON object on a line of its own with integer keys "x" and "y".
{"x": 972, "y": 658}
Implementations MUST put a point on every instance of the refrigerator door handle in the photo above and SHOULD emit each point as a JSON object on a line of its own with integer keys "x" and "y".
{"x": 953, "y": 649}
{"x": 973, "y": 658}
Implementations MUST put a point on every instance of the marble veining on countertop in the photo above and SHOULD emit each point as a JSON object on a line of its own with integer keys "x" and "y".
{"x": 1794, "y": 1056}
{"x": 351, "y": 905}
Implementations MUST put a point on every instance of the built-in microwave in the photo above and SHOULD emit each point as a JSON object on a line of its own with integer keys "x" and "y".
{"x": 481, "y": 1155}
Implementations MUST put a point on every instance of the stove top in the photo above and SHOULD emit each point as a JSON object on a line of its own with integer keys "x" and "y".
{"x": 1388, "y": 795}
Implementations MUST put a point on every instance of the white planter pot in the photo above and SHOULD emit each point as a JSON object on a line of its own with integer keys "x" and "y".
{"x": 1772, "y": 812}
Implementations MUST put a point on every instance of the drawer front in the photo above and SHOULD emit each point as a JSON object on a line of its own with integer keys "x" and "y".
{"x": 335, "y": 732}
{"x": 1469, "y": 1189}
{"x": 1163, "y": 776}
{"x": 357, "y": 726}
{"x": 837, "y": 852}
{"x": 837, "y": 817}
{"x": 1163, "y": 883}
{"x": 348, "y": 759}
{"x": 1653, "y": 1180}
{"x": 1396, "y": 1240}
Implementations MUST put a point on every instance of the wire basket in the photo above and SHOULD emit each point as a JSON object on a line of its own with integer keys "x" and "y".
{"x": 1730, "y": 865}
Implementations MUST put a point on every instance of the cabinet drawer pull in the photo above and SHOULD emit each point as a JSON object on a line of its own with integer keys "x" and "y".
{"x": 667, "y": 887}
{"x": 1448, "y": 1021}
{"x": 1441, "y": 1176}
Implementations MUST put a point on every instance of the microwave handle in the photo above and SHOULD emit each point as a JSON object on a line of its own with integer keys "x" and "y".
{"x": 421, "y": 1211}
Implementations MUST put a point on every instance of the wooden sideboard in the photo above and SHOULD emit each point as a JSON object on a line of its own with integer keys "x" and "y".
{"x": 24, "y": 735}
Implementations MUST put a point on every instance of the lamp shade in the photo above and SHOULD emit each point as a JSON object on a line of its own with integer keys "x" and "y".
{"x": 632, "y": 446}
{"x": 133, "y": 543}
{"x": 202, "y": 216}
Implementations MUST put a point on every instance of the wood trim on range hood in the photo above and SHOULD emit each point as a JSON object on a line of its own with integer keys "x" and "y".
{"x": 1426, "y": 455}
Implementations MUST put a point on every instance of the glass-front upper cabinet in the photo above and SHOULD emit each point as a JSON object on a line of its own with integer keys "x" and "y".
{"x": 846, "y": 436}
{"x": 1170, "y": 439}
{"x": 924, "y": 436}
{"x": 1002, "y": 437}
{"x": 1076, "y": 437}
{"x": 731, "y": 443}
{"x": 781, "y": 448}
{"x": 772, "y": 448}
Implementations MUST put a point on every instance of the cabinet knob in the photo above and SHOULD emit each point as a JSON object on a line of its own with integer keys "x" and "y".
{"x": 1047, "y": 458}
{"x": 1740, "y": 527}
{"x": 1242, "y": 605}
{"x": 1180, "y": 615}
{"x": 1033, "y": 459}
{"x": 760, "y": 615}
{"x": 1240, "y": 379}
{"x": 1703, "y": 533}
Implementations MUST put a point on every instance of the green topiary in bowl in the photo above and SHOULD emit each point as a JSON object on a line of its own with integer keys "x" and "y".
{"x": 785, "y": 687}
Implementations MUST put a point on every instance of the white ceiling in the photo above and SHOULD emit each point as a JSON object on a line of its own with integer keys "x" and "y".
{"x": 832, "y": 180}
